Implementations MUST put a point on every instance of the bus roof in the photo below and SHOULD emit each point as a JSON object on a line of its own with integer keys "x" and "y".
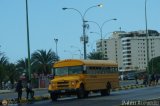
{"x": 77, "y": 62}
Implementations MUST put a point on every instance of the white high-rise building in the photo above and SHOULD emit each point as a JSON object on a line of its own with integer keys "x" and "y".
{"x": 129, "y": 50}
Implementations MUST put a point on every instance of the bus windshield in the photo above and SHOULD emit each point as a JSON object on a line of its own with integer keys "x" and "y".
{"x": 68, "y": 70}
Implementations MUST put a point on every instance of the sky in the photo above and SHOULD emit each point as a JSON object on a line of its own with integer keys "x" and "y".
{"x": 48, "y": 21}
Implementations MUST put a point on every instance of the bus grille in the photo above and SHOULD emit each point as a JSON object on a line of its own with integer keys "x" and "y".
{"x": 64, "y": 84}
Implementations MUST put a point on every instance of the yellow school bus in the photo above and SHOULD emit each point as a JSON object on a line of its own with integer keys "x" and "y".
{"x": 80, "y": 77}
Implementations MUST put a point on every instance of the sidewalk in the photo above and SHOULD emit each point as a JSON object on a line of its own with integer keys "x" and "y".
{"x": 5, "y": 91}
{"x": 13, "y": 90}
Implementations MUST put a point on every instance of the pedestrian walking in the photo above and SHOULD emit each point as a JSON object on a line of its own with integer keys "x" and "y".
{"x": 19, "y": 90}
{"x": 156, "y": 79}
{"x": 153, "y": 79}
{"x": 136, "y": 78}
{"x": 145, "y": 80}
{"x": 149, "y": 80}
{"x": 29, "y": 90}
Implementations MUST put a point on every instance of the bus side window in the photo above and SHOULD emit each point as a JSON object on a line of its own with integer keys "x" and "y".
{"x": 114, "y": 69}
{"x": 111, "y": 70}
{"x": 88, "y": 71}
{"x": 105, "y": 70}
{"x": 97, "y": 70}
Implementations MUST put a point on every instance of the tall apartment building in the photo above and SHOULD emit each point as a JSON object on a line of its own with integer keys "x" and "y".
{"x": 129, "y": 49}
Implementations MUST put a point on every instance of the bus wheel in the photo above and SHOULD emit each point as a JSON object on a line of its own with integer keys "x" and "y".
{"x": 86, "y": 94}
{"x": 81, "y": 92}
{"x": 53, "y": 96}
{"x": 103, "y": 92}
{"x": 106, "y": 91}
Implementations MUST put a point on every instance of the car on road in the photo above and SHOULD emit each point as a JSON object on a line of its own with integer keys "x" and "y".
{"x": 129, "y": 76}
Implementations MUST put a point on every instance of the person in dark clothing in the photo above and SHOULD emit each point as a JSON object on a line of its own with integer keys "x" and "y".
{"x": 153, "y": 79}
{"x": 156, "y": 79}
{"x": 145, "y": 80}
{"x": 29, "y": 90}
{"x": 136, "y": 78}
{"x": 19, "y": 90}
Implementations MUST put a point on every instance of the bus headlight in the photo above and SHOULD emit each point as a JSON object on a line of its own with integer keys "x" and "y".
{"x": 52, "y": 84}
{"x": 73, "y": 83}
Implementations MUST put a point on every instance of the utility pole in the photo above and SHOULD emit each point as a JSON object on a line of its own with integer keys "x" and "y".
{"x": 28, "y": 42}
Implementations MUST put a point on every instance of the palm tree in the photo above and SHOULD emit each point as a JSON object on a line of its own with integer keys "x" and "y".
{"x": 22, "y": 66}
{"x": 154, "y": 65}
{"x": 3, "y": 63}
{"x": 42, "y": 61}
{"x": 12, "y": 73}
{"x": 3, "y": 59}
{"x": 7, "y": 70}
{"x": 95, "y": 55}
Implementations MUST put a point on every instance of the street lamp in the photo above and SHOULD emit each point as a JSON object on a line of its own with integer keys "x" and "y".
{"x": 100, "y": 34}
{"x": 84, "y": 38}
{"x": 28, "y": 42}
{"x": 96, "y": 33}
{"x": 107, "y": 34}
{"x": 147, "y": 35}
{"x": 56, "y": 41}
{"x": 101, "y": 29}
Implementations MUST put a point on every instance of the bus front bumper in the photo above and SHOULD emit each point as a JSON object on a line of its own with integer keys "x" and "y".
{"x": 63, "y": 91}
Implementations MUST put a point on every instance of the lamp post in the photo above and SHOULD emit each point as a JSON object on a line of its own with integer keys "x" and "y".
{"x": 56, "y": 41}
{"x": 147, "y": 43}
{"x": 101, "y": 29}
{"x": 28, "y": 42}
{"x": 84, "y": 38}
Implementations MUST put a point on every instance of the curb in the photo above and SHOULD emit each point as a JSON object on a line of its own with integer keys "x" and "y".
{"x": 13, "y": 90}
{"x": 6, "y": 91}
{"x": 129, "y": 87}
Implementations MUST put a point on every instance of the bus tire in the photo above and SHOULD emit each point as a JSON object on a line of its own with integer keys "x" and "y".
{"x": 103, "y": 93}
{"x": 106, "y": 91}
{"x": 81, "y": 92}
{"x": 53, "y": 96}
{"x": 86, "y": 94}
{"x": 108, "y": 88}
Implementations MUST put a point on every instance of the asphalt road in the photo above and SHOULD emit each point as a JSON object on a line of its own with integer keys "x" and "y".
{"x": 45, "y": 91}
{"x": 115, "y": 99}
{"x": 14, "y": 94}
